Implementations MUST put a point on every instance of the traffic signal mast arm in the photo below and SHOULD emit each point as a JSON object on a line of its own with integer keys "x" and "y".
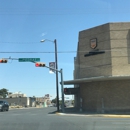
{"x": 41, "y": 64}
{"x": 62, "y": 83}
{"x": 53, "y": 69}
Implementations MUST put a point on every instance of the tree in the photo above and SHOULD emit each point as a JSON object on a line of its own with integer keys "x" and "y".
{"x": 72, "y": 102}
{"x": 54, "y": 100}
{"x": 60, "y": 102}
{"x": 3, "y": 92}
{"x": 37, "y": 103}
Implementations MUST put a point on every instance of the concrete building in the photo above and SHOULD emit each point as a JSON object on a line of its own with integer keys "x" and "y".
{"x": 102, "y": 69}
{"x": 21, "y": 101}
{"x": 45, "y": 99}
{"x": 17, "y": 94}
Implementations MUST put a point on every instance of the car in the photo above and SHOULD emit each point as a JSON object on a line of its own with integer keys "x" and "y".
{"x": 50, "y": 105}
{"x": 4, "y": 106}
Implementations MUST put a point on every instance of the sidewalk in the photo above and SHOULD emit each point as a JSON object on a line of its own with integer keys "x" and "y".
{"x": 23, "y": 108}
{"x": 75, "y": 112}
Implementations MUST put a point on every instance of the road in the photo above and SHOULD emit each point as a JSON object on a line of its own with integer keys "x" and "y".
{"x": 44, "y": 119}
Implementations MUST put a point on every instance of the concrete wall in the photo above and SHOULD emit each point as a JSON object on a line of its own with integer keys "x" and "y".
{"x": 120, "y": 48}
{"x": 16, "y": 95}
{"x": 20, "y": 101}
{"x": 97, "y": 65}
{"x": 110, "y": 96}
{"x": 114, "y": 38}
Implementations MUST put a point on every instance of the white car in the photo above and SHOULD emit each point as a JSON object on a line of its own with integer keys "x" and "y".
{"x": 50, "y": 105}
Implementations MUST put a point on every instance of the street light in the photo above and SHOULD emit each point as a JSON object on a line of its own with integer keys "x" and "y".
{"x": 57, "y": 88}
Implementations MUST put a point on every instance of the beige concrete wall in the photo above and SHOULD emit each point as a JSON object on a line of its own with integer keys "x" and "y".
{"x": 120, "y": 43}
{"x": 76, "y": 68}
{"x": 95, "y": 71}
{"x": 93, "y": 31}
{"x": 96, "y": 65}
{"x": 17, "y": 101}
{"x": 115, "y": 95}
{"x": 119, "y": 26}
{"x": 114, "y": 38}
{"x": 20, "y": 101}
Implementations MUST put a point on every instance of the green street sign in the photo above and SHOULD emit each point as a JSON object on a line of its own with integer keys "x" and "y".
{"x": 29, "y": 59}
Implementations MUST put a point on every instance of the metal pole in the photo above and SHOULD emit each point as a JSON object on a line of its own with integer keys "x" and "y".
{"x": 57, "y": 91}
{"x": 18, "y": 98}
{"x": 62, "y": 90}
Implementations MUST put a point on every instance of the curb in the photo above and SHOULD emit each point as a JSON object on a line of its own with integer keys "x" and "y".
{"x": 95, "y": 115}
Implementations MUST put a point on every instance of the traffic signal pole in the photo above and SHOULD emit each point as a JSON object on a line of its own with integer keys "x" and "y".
{"x": 62, "y": 86}
{"x": 40, "y": 64}
{"x": 62, "y": 90}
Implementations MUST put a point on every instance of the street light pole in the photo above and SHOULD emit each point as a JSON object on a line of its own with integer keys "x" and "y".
{"x": 56, "y": 64}
{"x": 57, "y": 90}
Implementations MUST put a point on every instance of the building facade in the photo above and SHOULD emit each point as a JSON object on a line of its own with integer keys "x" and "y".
{"x": 44, "y": 100}
{"x": 102, "y": 69}
{"x": 21, "y": 101}
{"x": 17, "y": 94}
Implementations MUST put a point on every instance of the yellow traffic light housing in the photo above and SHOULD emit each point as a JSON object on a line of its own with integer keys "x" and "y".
{"x": 3, "y": 61}
{"x": 40, "y": 64}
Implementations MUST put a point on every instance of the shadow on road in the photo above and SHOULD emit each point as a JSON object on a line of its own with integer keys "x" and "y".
{"x": 67, "y": 110}
{"x": 54, "y": 112}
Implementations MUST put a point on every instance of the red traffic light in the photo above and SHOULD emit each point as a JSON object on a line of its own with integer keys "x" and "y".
{"x": 40, "y": 64}
{"x": 3, "y": 61}
{"x": 65, "y": 90}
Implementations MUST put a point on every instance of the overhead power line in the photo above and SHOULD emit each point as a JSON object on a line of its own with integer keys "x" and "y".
{"x": 62, "y": 11}
{"x": 113, "y": 50}
{"x": 38, "y": 52}
{"x": 2, "y": 42}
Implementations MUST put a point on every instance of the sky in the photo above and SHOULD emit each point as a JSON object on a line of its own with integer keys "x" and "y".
{"x": 24, "y": 23}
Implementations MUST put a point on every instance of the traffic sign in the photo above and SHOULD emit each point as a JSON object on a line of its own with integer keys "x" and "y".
{"x": 52, "y": 67}
{"x": 29, "y": 59}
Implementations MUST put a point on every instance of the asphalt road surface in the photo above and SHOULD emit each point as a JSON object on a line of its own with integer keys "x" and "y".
{"x": 44, "y": 119}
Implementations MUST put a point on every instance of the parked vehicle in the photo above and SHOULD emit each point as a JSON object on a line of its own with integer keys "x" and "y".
{"x": 50, "y": 105}
{"x": 4, "y": 106}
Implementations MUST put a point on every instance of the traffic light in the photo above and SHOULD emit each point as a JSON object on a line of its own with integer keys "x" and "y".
{"x": 3, "y": 61}
{"x": 66, "y": 90}
{"x": 39, "y": 64}
{"x": 70, "y": 91}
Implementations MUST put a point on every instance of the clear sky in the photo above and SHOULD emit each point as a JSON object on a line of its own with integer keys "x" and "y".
{"x": 23, "y": 23}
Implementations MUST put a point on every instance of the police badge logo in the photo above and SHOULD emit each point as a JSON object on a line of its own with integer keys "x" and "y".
{"x": 93, "y": 43}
